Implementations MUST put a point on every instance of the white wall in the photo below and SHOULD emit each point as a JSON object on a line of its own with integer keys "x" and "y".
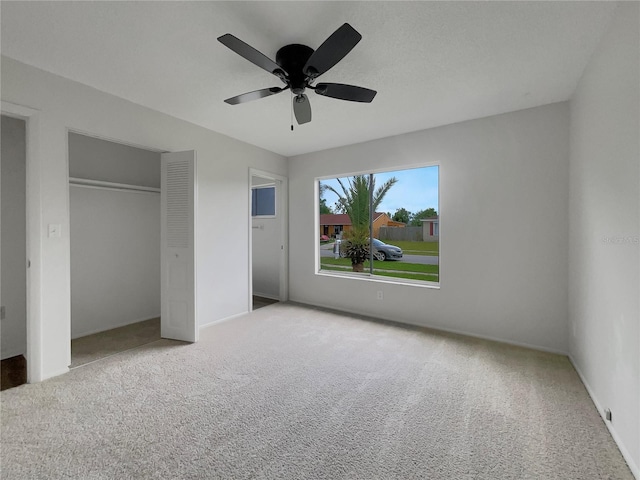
{"x": 222, "y": 182}
{"x": 115, "y": 259}
{"x": 13, "y": 241}
{"x": 605, "y": 228}
{"x": 507, "y": 281}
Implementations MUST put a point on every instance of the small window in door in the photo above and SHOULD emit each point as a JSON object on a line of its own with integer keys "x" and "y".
{"x": 263, "y": 201}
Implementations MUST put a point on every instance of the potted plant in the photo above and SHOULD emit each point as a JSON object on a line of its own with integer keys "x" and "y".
{"x": 355, "y": 245}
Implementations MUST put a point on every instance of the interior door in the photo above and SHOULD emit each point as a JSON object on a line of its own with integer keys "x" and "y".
{"x": 178, "y": 199}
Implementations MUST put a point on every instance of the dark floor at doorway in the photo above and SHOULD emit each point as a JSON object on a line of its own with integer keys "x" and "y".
{"x": 13, "y": 372}
{"x": 259, "y": 302}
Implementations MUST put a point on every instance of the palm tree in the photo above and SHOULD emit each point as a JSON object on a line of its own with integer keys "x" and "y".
{"x": 324, "y": 208}
{"x": 354, "y": 199}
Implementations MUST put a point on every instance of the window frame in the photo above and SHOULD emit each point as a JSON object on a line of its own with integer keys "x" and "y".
{"x": 275, "y": 200}
{"x": 367, "y": 276}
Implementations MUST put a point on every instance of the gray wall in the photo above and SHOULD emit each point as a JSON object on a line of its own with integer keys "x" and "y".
{"x": 506, "y": 282}
{"x": 98, "y": 159}
{"x": 13, "y": 279}
{"x": 115, "y": 236}
{"x": 604, "y": 238}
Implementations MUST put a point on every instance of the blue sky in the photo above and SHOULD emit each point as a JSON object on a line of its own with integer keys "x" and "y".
{"x": 415, "y": 190}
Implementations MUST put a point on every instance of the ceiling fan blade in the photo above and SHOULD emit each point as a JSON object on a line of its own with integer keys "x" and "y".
{"x": 249, "y": 96}
{"x": 345, "y": 92}
{"x": 302, "y": 109}
{"x": 332, "y": 50}
{"x": 254, "y": 56}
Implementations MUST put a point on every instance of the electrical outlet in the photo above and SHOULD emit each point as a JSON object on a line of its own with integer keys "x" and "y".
{"x": 380, "y": 295}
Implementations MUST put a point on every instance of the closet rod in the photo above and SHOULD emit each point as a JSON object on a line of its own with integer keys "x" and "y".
{"x": 99, "y": 184}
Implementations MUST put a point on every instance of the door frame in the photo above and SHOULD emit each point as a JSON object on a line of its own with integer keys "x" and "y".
{"x": 34, "y": 230}
{"x": 282, "y": 206}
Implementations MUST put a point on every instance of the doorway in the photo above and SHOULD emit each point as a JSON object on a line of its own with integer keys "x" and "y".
{"x": 268, "y": 278}
{"x": 114, "y": 205}
{"x": 13, "y": 252}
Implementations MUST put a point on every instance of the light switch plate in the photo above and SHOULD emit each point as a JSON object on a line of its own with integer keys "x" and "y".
{"x": 54, "y": 230}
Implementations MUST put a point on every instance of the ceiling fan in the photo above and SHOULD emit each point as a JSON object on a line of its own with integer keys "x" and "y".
{"x": 298, "y": 66}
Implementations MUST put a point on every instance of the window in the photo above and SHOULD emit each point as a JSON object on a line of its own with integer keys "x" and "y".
{"x": 263, "y": 201}
{"x": 385, "y": 225}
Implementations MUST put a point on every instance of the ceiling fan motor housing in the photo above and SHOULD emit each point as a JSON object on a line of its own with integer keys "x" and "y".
{"x": 292, "y": 58}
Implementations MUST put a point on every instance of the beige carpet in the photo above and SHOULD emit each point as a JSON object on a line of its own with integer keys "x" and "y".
{"x": 289, "y": 392}
{"x": 100, "y": 345}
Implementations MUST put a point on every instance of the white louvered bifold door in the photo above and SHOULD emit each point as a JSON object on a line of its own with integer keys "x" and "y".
{"x": 178, "y": 320}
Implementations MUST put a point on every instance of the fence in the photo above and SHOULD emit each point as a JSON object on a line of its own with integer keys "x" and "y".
{"x": 401, "y": 234}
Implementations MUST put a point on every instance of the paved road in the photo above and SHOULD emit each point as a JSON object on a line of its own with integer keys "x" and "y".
{"x": 421, "y": 259}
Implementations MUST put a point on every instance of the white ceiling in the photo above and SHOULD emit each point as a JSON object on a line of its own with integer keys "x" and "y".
{"x": 432, "y": 63}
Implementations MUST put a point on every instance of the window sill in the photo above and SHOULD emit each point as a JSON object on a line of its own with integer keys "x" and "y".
{"x": 367, "y": 277}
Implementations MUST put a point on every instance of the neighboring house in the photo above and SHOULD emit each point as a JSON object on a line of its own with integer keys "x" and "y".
{"x": 333, "y": 224}
{"x": 430, "y": 229}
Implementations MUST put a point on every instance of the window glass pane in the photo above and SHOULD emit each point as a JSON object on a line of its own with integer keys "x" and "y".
{"x": 263, "y": 201}
{"x": 405, "y": 223}
{"x": 344, "y": 224}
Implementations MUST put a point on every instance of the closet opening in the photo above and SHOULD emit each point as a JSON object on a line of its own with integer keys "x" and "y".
{"x": 115, "y": 234}
{"x": 13, "y": 252}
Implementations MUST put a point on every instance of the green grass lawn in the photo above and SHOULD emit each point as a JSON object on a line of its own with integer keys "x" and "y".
{"x": 424, "y": 276}
{"x": 427, "y": 277}
{"x": 378, "y": 265}
{"x": 412, "y": 271}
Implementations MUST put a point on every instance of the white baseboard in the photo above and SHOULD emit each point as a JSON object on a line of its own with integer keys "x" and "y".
{"x": 616, "y": 438}
{"x": 48, "y": 375}
{"x": 493, "y": 339}
{"x": 441, "y": 329}
{"x": 111, "y": 327}
{"x": 225, "y": 319}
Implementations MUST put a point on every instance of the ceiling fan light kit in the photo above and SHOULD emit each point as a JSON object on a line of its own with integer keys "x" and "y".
{"x": 298, "y": 66}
